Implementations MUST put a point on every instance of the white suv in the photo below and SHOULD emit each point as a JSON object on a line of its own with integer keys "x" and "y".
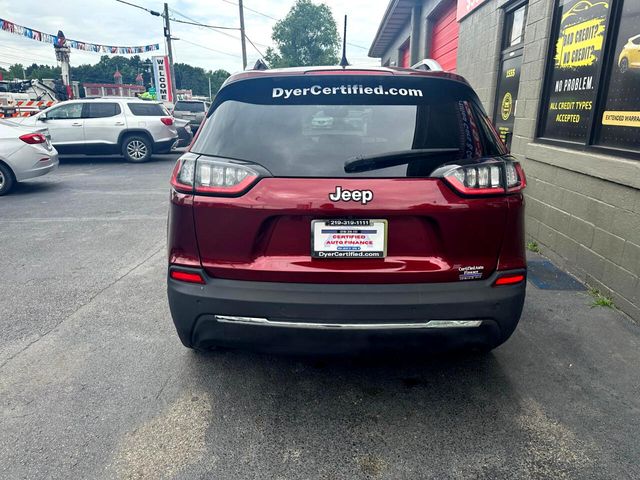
{"x": 134, "y": 128}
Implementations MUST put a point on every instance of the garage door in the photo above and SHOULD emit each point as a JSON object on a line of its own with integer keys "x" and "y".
{"x": 444, "y": 38}
{"x": 405, "y": 54}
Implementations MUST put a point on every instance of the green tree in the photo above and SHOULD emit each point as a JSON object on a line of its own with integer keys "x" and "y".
{"x": 196, "y": 79}
{"x": 42, "y": 71}
{"x": 217, "y": 79}
{"x": 16, "y": 71}
{"x": 308, "y": 35}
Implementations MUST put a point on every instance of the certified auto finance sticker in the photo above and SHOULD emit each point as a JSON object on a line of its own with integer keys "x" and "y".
{"x": 473, "y": 272}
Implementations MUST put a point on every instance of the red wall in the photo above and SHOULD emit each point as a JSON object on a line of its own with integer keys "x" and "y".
{"x": 405, "y": 55}
{"x": 444, "y": 39}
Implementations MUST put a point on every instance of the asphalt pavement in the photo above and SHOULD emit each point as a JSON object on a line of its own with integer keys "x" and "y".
{"x": 95, "y": 384}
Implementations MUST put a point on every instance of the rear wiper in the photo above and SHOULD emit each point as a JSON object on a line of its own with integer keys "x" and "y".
{"x": 378, "y": 161}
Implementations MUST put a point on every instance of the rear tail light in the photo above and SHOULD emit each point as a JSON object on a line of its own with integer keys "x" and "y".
{"x": 167, "y": 120}
{"x": 189, "y": 277}
{"x": 516, "y": 179}
{"x": 488, "y": 178}
{"x": 212, "y": 177}
{"x": 33, "y": 138}
{"x": 509, "y": 279}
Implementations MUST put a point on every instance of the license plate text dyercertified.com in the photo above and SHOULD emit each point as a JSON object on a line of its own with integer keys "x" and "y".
{"x": 348, "y": 238}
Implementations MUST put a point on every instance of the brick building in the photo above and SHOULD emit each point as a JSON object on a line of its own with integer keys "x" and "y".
{"x": 561, "y": 79}
{"x": 116, "y": 89}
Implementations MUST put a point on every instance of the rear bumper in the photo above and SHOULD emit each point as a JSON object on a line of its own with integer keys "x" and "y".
{"x": 184, "y": 138}
{"x": 164, "y": 146}
{"x": 42, "y": 168}
{"x": 343, "y": 317}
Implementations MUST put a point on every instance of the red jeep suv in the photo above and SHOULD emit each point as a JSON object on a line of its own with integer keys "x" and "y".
{"x": 344, "y": 208}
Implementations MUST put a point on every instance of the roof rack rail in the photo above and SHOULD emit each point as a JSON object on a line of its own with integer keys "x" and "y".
{"x": 260, "y": 65}
{"x": 428, "y": 64}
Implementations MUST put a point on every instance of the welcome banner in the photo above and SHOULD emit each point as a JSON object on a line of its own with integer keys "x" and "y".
{"x": 26, "y": 32}
{"x": 162, "y": 76}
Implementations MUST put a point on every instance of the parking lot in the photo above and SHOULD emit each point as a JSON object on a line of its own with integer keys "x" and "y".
{"x": 94, "y": 382}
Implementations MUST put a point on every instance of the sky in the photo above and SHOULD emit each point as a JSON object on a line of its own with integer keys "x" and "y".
{"x": 112, "y": 23}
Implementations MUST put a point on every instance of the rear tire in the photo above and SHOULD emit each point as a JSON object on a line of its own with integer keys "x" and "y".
{"x": 624, "y": 65}
{"x": 7, "y": 180}
{"x": 136, "y": 149}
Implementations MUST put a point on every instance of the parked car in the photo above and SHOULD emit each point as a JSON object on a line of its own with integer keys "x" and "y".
{"x": 134, "y": 128}
{"x": 24, "y": 153}
{"x": 402, "y": 227}
{"x": 185, "y": 134}
{"x": 630, "y": 55}
{"x": 192, "y": 110}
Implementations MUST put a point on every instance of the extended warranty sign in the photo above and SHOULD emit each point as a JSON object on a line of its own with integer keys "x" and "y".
{"x": 507, "y": 106}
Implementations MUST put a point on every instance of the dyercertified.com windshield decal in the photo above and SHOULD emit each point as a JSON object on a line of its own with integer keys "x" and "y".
{"x": 286, "y": 93}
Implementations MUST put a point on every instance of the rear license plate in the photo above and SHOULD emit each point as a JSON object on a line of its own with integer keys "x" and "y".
{"x": 349, "y": 238}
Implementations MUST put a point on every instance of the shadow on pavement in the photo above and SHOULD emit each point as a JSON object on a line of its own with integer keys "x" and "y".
{"x": 390, "y": 414}
{"x": 30, "y": 187}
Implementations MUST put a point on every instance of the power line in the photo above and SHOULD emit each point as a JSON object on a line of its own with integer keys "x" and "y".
{"x": 217, "y": 28}
{"x": 197, "y": 24}
{"x": 152, "y": 12}
{"x": 212, "y": 28}
{"x": 252, "y": 10}
{"x": 208, "y": 48}
{"x": 201, "y": 25}
{"x": 278, "y": 19}
{"x": 194, "y": 22}
{"x": 254, "y": 46}
{"x": 158, "y": 14}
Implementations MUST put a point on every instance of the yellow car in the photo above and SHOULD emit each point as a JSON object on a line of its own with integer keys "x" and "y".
{"x": 630, "y": 55}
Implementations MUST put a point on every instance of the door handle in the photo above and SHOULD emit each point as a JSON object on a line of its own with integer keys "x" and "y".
{"x": 119, "y": 123}
{"x": 76, "y": 124}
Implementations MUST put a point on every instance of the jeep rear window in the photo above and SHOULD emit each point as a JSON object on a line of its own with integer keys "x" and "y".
{"x": 309, "y": 126}
{"x": 147, "y": 109}
{"x": 194, "y": 107}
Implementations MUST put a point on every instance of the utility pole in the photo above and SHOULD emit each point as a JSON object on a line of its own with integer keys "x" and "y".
{"x": 244, "y": 45}
{"x": 209, "y": 77}
{"x": 167, "y": 36}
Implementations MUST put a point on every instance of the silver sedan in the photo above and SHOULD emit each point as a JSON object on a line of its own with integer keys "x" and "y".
{"x": 25, "y": 152}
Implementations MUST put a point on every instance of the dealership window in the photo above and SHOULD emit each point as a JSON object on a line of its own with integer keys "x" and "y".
{"x": 620, "y": 120}
{"x": 592, "y": 89}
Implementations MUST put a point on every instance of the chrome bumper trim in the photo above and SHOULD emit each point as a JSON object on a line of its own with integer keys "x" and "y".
{"x": 348, "y": 326}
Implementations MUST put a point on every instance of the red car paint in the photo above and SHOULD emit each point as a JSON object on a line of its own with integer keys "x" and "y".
{"x": 264, "y": 235}
{"x": 444, "y": 225}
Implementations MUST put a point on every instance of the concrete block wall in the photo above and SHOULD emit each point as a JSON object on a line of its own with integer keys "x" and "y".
{"x": 583, "y": 208}
{"x": 479, "y": 51}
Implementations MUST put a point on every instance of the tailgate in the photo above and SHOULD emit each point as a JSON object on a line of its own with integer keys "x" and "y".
{"x": 433, "y": 235}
